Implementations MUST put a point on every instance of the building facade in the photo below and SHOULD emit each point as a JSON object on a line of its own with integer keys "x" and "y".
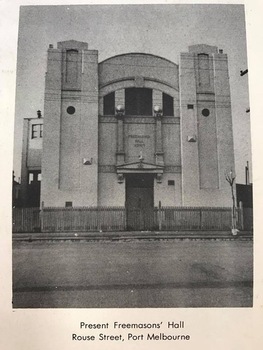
{"x": 135, "y": 130}
{"x": 31, "y": 161}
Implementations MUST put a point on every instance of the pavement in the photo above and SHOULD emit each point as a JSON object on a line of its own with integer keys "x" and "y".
{"x": 128, "y": 235}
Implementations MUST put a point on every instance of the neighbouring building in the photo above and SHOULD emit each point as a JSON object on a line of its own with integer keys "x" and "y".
{"x": 135, "y": 130}
{"x": 31, "y": 161}
{"x": 16, "y": 196}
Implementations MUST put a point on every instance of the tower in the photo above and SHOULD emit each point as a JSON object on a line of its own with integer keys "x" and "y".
{"x": 206, "y": 126}
{"x": 70, "y": 137}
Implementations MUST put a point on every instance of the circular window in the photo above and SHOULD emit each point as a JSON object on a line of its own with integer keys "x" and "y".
{"x": 205, "y": 112}
{"x": 71, "y": 110}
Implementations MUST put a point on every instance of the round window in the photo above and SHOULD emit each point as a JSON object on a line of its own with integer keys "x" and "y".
{"x": 71, "y": 110}
{"x": 205, "y": 112}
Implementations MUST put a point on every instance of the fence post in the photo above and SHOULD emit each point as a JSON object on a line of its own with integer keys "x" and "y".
{"x": 160, "y": 216}
{"x": 22, "y": 218}
{"x": 41, "y": 214}
{"x": 241, "y": 216}
{"x": 98, "y": 219}
{"x": 125, "y": 216}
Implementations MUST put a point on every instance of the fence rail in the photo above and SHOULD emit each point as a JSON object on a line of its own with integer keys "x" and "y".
{"x": 85, "y": 219}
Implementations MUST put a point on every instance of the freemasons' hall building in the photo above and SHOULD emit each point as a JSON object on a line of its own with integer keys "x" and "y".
{"x": 135, "y": 130}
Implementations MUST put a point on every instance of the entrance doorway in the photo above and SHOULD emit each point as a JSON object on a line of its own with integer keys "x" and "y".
{"x": 139, "y": 202}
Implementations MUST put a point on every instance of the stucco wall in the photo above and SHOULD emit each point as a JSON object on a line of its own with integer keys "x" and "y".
{"x": 125, "y": 66}
{"x": 197, "y": 150}
{"x": 205, "y": 161}
{"x": 139, "y": 140}
{"x": 107, "y": 141}
{"x": 70, "y": 139}
{"x": 168, "y": 195}
{"x": 111, "y": 193}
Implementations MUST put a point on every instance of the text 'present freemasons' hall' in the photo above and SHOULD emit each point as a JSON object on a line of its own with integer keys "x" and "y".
{"x": 135, "y": 130}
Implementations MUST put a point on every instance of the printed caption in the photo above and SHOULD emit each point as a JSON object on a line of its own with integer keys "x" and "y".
{"x": 131, "y": 332}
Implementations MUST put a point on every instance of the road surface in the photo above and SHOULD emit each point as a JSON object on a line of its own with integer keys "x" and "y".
{"x": 131, "y": 274}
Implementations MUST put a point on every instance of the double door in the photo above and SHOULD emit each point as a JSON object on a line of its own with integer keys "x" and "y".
{"x": 139, "y": 202}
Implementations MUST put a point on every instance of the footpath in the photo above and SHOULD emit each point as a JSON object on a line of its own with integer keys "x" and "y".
{"x": 132, "y": 235}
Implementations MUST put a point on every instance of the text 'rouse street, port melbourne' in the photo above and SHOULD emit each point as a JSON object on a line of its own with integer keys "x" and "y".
{"x": 159, "y": 331}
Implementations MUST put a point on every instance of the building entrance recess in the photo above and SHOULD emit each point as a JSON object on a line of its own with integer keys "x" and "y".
{"x": 139, "y": 202}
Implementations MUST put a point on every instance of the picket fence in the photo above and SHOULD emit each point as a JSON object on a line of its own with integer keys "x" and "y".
{"x": 88, "y": 219}
{"x": 26, "y": 220}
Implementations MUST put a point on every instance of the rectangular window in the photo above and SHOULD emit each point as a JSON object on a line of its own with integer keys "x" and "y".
{"x": 40, "y": 130}
{"x": 34, "y": 176}
{"x": 72, "y": 66}
{"x": 109, "y": 104}
{"x": 30, "y": 178}
{"x": 168, "y": 105}
{"x": 190, "y": 106}
{"x": 37, "y": 131}
{"x": 68, "y": 204}
{"x": 138, "y": 101}
{"x": 170, "y": 182}
{"x": 203, "y": 69}
{"x": 34, "y": 133}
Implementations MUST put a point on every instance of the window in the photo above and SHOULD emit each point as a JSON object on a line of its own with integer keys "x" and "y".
{"x": 109, "y": 104}
{"x": 170, "y": 182}
{"x": 205, "y": 112}
{"x": 34, "y": 176}
{"x": 34, "y": 131}
{"x": 40, "y": 130}
{"x": 138, "y": 101}
{"x": 68, "y": 204}
{"x": 189, "y": 106}
{"x": 71, "y": 66}
{"x": 203, "y": 68}
{"x": 71, "y": 110}
{"x": 168, "y": 105}
{"x": 30, "y": 178}
{"x": 37, "y": 131}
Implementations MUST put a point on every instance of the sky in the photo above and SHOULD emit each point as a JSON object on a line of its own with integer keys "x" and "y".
{"x": 163, "y": 30}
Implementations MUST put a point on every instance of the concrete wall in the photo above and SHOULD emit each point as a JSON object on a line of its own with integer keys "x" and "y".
{"x": 111, "y": 193}
{"x": 139, "y": 140}
{"x": 160, "y": 75}
{"x": 197, "y": 150}
{"x": 107, "y": 141}
{"x": 69, "y": 139}
{"x": 204, "y": 83}
{"x": 169, "y": 195}
{"x": 123, "y": 67}
{"x": 171, "y": 142}
{"x": 139, "y": 70}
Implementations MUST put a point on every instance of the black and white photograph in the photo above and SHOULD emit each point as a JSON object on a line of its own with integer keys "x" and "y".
{"x": 132, "y": 177}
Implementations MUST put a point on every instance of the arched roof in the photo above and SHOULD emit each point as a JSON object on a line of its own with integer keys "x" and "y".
{"x": 137, "y": 53}
{"x": 133, "y": 65}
